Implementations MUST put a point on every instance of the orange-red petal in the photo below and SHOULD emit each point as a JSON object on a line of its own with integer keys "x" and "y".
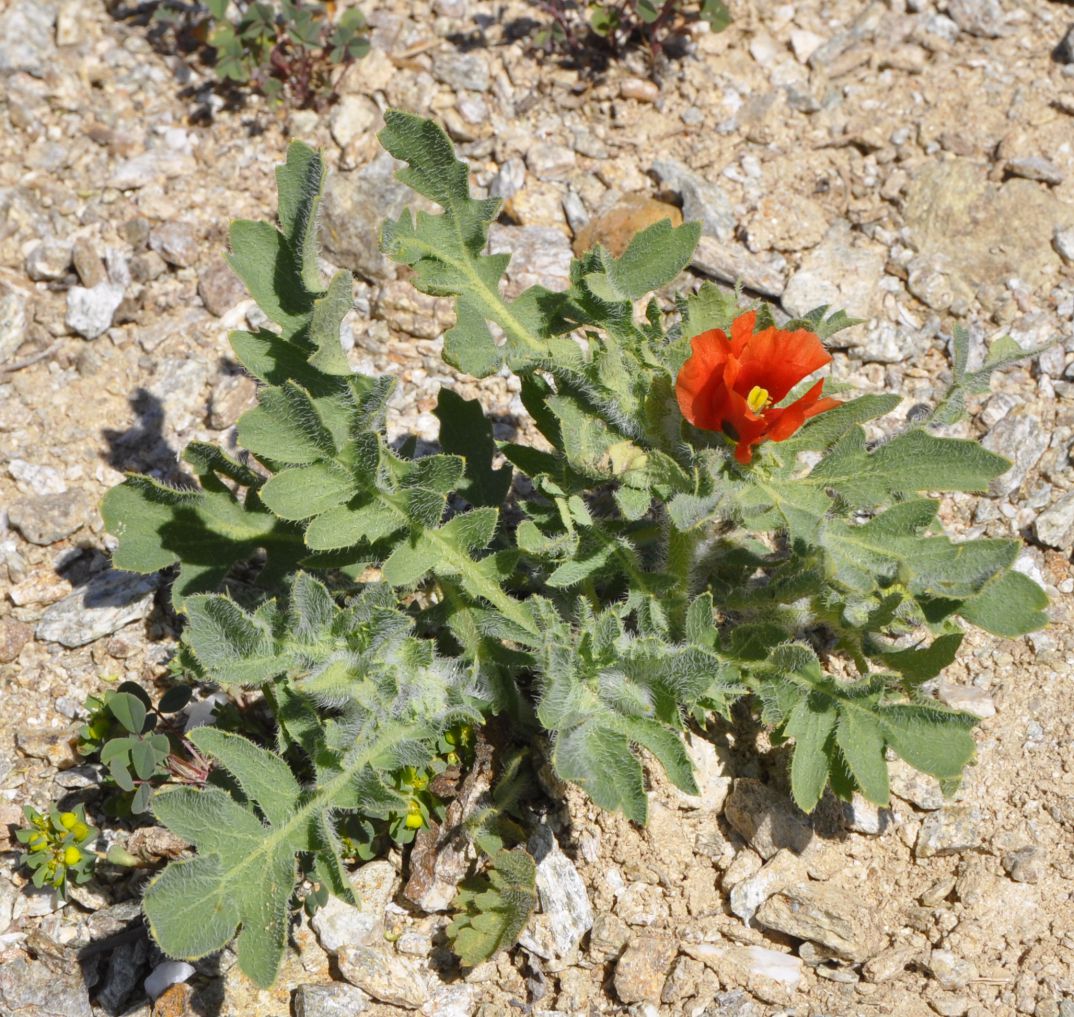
{"x": 701, "y": 376}
{"x": 778, "y": 360}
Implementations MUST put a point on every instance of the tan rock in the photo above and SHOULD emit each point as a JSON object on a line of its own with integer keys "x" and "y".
{"x": 642, "y": 969}
{"x": 768, "y": 974}
{"x": 986, "y": 233}
{"x": 786, "y": 222}
{"x": 385, "y": 976}
{"x": 832, "y": 916}
{"x": 617, "y": 227}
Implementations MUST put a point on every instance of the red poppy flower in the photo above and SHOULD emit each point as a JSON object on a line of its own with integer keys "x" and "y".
{"x": 730, "y": 385}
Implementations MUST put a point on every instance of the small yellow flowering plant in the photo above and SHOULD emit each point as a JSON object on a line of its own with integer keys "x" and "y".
{"x": 59, "y": 847}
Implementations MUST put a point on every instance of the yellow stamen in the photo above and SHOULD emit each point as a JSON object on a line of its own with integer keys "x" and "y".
{"x": 758, "y": 399}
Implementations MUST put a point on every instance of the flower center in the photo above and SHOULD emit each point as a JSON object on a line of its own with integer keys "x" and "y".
{"x": 758, "y": 399}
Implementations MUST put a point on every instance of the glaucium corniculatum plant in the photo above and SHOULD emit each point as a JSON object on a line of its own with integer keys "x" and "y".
{"x": 703, "y": 526}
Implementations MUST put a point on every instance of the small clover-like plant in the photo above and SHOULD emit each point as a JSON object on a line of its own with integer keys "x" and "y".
{"x": 122, "y": 733}
{"x": 618, "y": 24}
{"x": 703, "y": 525}
{"x": 286, "y": 49}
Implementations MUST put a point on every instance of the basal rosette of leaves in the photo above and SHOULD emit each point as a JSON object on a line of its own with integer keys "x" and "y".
{"x": 643, "y": 579}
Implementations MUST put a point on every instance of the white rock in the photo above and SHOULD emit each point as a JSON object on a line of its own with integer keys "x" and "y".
{"x": 805, "y": 44}
{"x": 105, "y": 604}
{"x": 566, "y": 914}
{"x": 90, "y": 311}
{"x": 783, "y": 868}
{"x": 352, "y": 117}
{"x": 38, "y": 479}
{"x": 451, "y": 1001}
{"x": 15, "y": 303}
{"x": 967, "y": 698}
{"x": 711, "y": 773}
{"x": 339, "y": 924}
{"x": 48, "y": 260}
{"x": 1064, "y": 243}
{"x": 843, "y": 271}
{"x": 165, "y": 974}
{"x": 1055, "y": 525}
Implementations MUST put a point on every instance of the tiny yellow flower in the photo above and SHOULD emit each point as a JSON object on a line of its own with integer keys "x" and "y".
{"x": 68, "y": 820}
{"x": 71, "y": 855}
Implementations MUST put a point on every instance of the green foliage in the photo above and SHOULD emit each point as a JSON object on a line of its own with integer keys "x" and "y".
{"x": 122, "y": 733}
{"x": 598, "y": 593}
{"x": 285, "y": 49}
{"x": 492, "y": 909}
{"x": 618, "y": 24}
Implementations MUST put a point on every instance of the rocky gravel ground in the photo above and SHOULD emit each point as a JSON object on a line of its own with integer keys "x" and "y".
{"x": 910, "y": 160}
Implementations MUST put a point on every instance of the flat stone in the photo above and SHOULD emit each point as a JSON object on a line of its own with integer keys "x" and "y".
{"x": 566, "y": 914}
{"x": 1055, "y": 525}
{"x": 889, "y": 963}
{"x": 607, "y": 937}
{"x": 843, "y": 271}
{"x": 14, "y": 635}
{"x": 615, "y": 228}
{"x": 16, "y": 306}
{"x": 540, "y": 256}
{"x": 768, "y": 974}
{"x": 88, "y": 263}
{"x": 385, "y": 976}
{"x": 747, "y": 895}
{"x": 220, "y": 288}
{"x": 54, "y": 747}
{"x": 767, "y": 819}
{"x": 468, "y": 71}
{"x": 48, "y": 261}
{"x": 176, "y": 243}
{"x": 355, "y": 206}
{"x": 154, "y": 166}
{"x": 340, "y": 924}
{"x": 353, "y": 118}
{"x": 950, "y": 831}
{"x": 732, "y": 263}
{"x": 1022, "y": 438}
{"x": 643, "y": 968}
{"x": 983, "y": 18}
{"x": 702, "y": 200}
{"x": 26, "y": 37}
{"x": 967, "y": 698}
{"x": 786, "y": 223}
{"x": 47, "y": 518}
{"x": 951, "y": 971}
{"x": 862, "y": 816}
{"x": 712, "y": 773}
{"x": 29, "y": 988}
{"x": 914, "y": 787}
{"x": 827, "y": 914}
{"x": 105, "y": 604}
{"x": 1026, "y": 864}
{"x": 548, "y": 161}
{"x": 1063, "y": 241}
{"x": 331, "y": 999}
{"x": 985, "y": 234}
{"x": 1036, "y": 167}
